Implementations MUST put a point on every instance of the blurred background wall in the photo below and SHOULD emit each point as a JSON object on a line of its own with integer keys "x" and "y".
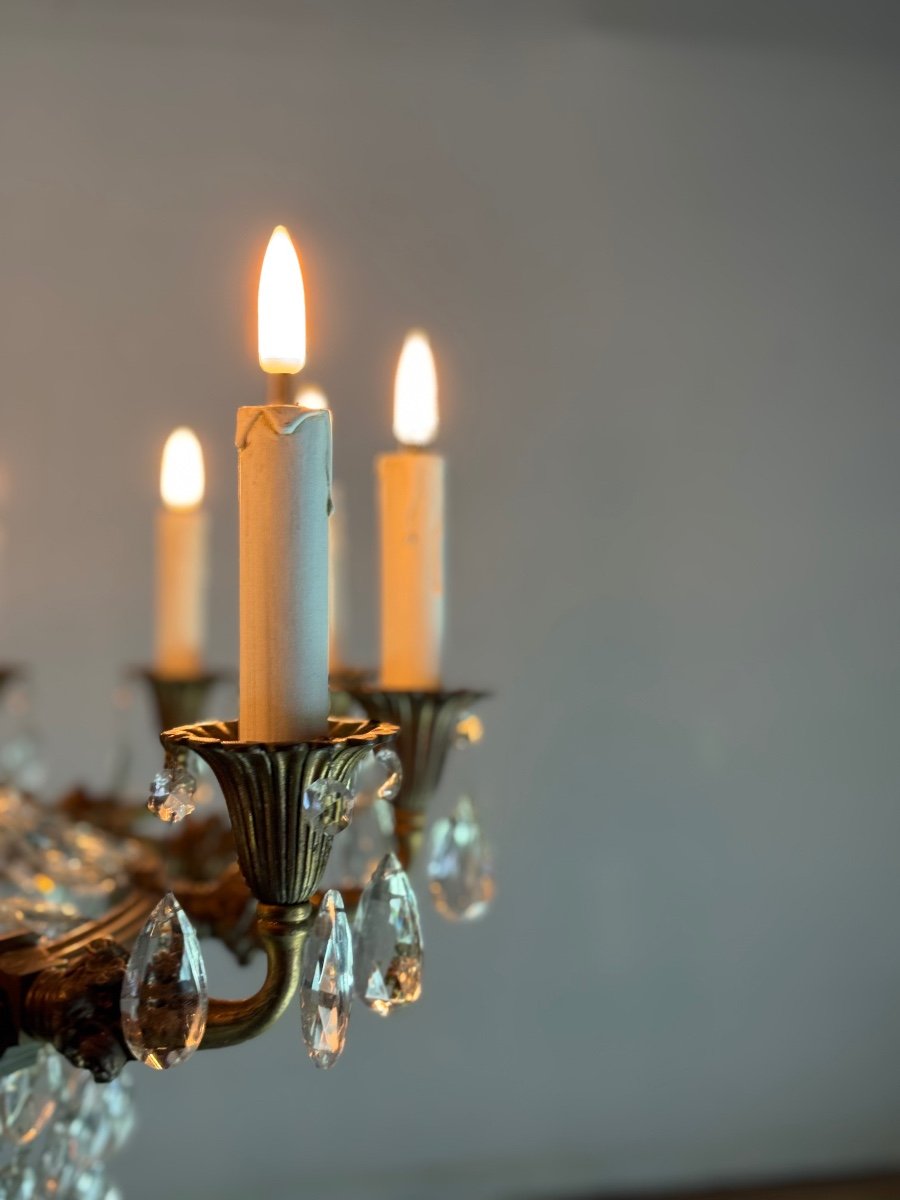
{"x": 656, "y": 247}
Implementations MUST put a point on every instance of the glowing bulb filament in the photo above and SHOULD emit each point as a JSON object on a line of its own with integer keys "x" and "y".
{"x": 281, "y": 308}
{"x": 415, "y": 393}
{"x": 182, "y": 478}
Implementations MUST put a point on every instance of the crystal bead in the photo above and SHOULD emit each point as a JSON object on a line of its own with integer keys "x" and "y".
{"x": 92, "y": 1184}
{"x": 101, "y": 1124}
{"x": 28, "y": 1098}
{"x": 119, "y": 1111}
{"x": 19, "y": 1181}
{"x": 22, "y": 762}
{"x": 164, "y": 996}
{"x": 380, "y": 774}
{"x": 392, "y": 768}
{"x": 58, "y": 1169}
{"x": 387, "y": 949}
{"x": 326, "y": 982}
{"x": 50, "y": 921}
{"x": 328, "y": 804}
{"x": 172, "y": 794}
{"x": 460, "y": 866}
{"x": 469, "y": 730}
{"x": 356, "y": 854}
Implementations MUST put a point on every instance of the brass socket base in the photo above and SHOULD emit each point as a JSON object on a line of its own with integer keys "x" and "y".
{"x": 282, "y": 855}
{"x": 180, "y": 701}
{"x": 427, "y": 723}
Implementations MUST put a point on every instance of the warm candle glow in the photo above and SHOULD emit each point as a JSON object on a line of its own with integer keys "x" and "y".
{"x": 281, "y": 308}
{"x": 182, "y": 477}
{"x": 415, "y": 393}
{"x": 311, "y": 397}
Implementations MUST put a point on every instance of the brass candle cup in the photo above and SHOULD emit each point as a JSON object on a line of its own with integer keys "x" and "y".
{"x": 427, "y": 723}
{"x": 179, "y": 701}
{"x": 282, "y": 853}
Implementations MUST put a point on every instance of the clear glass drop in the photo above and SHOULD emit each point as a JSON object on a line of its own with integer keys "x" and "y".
{"x": 387, "y": 950}
{"x": 164, "y": 996}
{"x": 326, "y": 982}
{"x": 460, "y": 865}
{"x": 392, "y": 770}
{"x": 329, "y": 804}
{"x": 356, "y": 853}
{"x": 469, "y": 730}
{"x": 28, "y": 1098}
{"x": 117, "y": 1100}
{"x": 18, "y": 1181}
{"x": 380, "y": 774}
{"x": 101, "y": 1124}
{"x": 172, "y": 794}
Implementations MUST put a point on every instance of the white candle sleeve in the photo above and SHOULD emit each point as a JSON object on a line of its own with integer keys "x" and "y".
{"x": 284, "y": 468}
{"x": 337, "y": 581}
{"x": 181, "y": 585}
{"x": 411, "y": 490}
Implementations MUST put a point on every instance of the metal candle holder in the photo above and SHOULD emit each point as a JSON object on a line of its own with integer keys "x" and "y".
{"x": 180, "y": 701}
{"x": 427, "y": 722}
{"x": 69, "y": 995}
{"x": 282, "y": 854}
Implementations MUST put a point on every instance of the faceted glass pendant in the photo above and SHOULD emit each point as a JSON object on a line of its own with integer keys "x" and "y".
{"x": 380, "y": 773}
{"x": 387, "y": 950}
{"x": 28, "y": 1098}
{"x": 469, "y": 730}
{"x": 326, "y": 982}
{"x": 164, "y": 997}
{"x": 355, "y": 856}
{"x": 172, "y": 794}
{"x": 20, "y": 1181}
{"x": 460, "y": 866}
{"x": 329, "y": 805}
{"x": 392, "y": 771}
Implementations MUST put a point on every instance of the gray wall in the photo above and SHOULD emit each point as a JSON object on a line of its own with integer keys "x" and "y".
{"x": 656, "y": 246}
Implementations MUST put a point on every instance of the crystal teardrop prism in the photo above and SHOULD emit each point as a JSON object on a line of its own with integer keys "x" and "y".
{"x": 380, "y": 774}
{"x": 469, "y": 730}
{"x": 172, "y": 794}
{"x": 28, "y": 1098}
{"x": 387, "y": 950}
{"x": 329, "y": 805}
{"x": 460, "y": 866}
{"x": 164, "y": 996}
{"x": 356, "y": 853}
{"x": 326, "y": 982}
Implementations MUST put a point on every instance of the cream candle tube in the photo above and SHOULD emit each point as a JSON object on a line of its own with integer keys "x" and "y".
{"x": 310, "y": 396}
{"x": 337, "y": 583}
{"x": 284, "y": 464}
{"x": 411, "y": 493}
{"x": 182, "y": 556}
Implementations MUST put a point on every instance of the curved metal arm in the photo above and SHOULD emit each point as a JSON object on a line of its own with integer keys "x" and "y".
{"x": 282, "y": 929}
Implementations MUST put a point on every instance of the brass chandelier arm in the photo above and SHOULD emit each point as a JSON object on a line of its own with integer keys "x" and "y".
{"x": 282, "y": 929}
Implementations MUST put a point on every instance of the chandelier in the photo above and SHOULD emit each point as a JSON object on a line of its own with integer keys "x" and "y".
{"x": 327, "y": 777}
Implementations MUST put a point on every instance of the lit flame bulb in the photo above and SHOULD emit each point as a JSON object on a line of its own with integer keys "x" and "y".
{"x": 281, "y": 308}
{"x": 311, "y": 397}
{"x": 182, "y": 477}
{"x": 415, "y": 393}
